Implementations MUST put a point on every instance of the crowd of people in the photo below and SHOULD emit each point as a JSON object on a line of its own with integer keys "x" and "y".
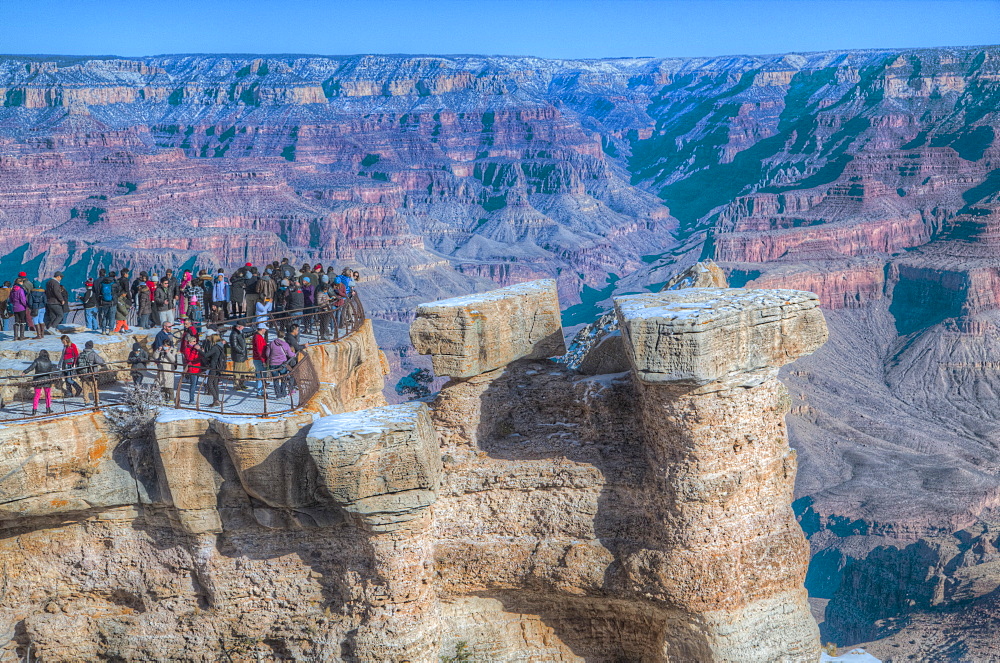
{"x": 252, "y": 317}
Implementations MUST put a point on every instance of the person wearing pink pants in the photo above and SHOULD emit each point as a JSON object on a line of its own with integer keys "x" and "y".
{"x": 45, "y": 375}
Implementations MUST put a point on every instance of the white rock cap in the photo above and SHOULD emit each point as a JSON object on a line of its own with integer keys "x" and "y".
{"x": 697, "y": 336}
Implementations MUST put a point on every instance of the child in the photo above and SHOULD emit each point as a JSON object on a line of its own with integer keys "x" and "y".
{"x": 121, "y": 314}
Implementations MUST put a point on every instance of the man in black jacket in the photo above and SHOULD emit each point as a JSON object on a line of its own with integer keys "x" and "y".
{"x": 214, "y": 359}
{"x": 56, "y": 301}
{"x": 238, "y": 351}
{"x": 162, "y": 303}
{"x": 107, "y": 294}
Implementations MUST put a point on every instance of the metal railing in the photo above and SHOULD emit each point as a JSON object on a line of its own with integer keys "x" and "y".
{"x": 274, "y": 390}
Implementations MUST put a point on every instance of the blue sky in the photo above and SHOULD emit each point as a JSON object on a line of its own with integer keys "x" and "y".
{"x": 547, "y": 28}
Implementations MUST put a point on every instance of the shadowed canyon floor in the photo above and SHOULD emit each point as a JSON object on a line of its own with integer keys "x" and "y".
{"x": 871, "y": 178}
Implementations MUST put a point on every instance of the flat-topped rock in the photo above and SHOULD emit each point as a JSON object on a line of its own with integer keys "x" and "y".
{"x": 381, "y": 464}
{"x": 473, "y": 334}
{"x": 697, "y": 336}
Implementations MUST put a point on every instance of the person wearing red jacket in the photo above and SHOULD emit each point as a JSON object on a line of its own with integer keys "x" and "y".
{"x": 192, "y": 368}
{"x": 260, "y": 358}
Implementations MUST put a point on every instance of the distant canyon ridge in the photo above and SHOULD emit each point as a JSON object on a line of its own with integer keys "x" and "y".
{"x": 869, "y": 177}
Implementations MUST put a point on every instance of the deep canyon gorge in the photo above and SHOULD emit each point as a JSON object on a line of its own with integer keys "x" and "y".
{"x": 871, "y": 178}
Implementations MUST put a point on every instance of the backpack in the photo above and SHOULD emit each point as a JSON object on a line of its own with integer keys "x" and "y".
{"x": 86, "y": 361}
{"x": 107, "y": 291}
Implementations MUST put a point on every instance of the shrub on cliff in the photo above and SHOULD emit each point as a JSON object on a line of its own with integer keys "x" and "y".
{"x": 134, "y": 418}
{"x": 416, "y": 384}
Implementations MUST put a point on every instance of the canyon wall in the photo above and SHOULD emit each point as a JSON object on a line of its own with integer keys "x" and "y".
{"x": 868, "y": 177}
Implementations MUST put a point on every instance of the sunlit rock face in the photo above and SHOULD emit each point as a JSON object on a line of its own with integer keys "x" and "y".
{"x": 869, "y": 178}
{"x": 527, "y": 512}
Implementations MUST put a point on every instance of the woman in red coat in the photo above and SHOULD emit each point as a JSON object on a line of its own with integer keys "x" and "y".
{"x": 192, "y": 367}
{"x": 70, "y": 358}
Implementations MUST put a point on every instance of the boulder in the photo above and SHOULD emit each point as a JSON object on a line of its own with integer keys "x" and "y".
{"x": 381, "y": 464}
{"x": 470, "y": 335}
{"x": 697, "y": 336}
{"x": 703, "y": 274}
{"x": 607, "y": 356}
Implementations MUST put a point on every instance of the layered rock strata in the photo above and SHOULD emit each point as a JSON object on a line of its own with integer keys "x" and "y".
{"x": 682, "y": 490}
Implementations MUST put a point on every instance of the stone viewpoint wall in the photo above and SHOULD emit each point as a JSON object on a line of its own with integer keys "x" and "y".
{"x": 528, "y": 512}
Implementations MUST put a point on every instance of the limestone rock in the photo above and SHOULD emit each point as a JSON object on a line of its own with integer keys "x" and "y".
{"x": 381, "y": 464}
{"x": 478, "y": 333}
{"x": 701, "y": 335}
{"x": 606, "y": 356}
{"x": 702, "y": 274}
{"x": 60, "y": 466}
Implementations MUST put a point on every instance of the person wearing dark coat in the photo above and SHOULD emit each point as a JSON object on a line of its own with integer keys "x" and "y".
{"x": 19, "y": 307}
{"x": 107, "y": 294}
{"x": 240, "y": 354}
{"x": 214, "y": 359}
{"x": 36, "y": 302}
{"x": 44, "y": 371}
{"x": 167, "y": 332}
{"x": 138, "y": 358}
{"x": 237, "y": 293}
{"x": 252, "y": 279}
{"x": 56, "y": 301}
{"x": 89, "y": 301}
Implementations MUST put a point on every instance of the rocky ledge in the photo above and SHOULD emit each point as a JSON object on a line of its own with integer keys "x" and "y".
{"x": 526, "y": 512}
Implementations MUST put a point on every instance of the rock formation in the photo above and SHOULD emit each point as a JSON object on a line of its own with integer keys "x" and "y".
{"x": 527, "y": 513}
{"x": 867, "y": 177}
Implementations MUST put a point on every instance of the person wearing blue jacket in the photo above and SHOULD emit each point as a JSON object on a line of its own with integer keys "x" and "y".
{"x": 220, "y": 292}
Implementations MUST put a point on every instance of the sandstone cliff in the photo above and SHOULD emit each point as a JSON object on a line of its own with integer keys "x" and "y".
{"x": 528, "y": 512}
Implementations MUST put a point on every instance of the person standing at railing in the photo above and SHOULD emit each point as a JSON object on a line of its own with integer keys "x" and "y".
{"x": 137, "y": 360}
{"x": 214, "y": 361}
{"x": 19, "y": 307}
{"x": 278, "y": 355}
{"x": 240, "y": 354}
{"x": 323, "y": 310}
{"x": 345, "y": 280}
{"x": 89, "y": 301}
{"x": 90, "y": 362}
{"x": 339, "y": 301}
{"x": 308, "y": 288}
{"x": 192, "y": 368}
{"x": 166, "y": 333}
{"x": 260, "y": 356}
{"x": 44, "y": 372}
{"x": 168, "y": 362}
{"x": 68, "y": 363}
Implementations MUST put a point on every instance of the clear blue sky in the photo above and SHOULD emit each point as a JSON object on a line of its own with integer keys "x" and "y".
{"x": 547, "y": 28}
